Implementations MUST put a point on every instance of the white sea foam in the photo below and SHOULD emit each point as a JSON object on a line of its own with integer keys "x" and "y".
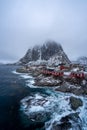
{"x": 83, "y": 113}
{"x": 38, "y": 96}
{"x": 14, "y": 72}
{"x": 29, "y": 79}
{"x": 57, "y": 104}
{"x": 23, "y": 75}
{"x": 66, "y": 110}
{"x": 30, "y": 83}
{"x": 26, "y": 76}
{"x": 36, "y": 109}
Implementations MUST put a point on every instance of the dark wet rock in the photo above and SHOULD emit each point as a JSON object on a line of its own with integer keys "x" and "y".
{"x": 21, "y": 70}
{"x": 72, "y": 116}
{"x": 69, "y": 121}
{"x": 29, "y": 124}
{"x": 66, "y": 87}
{"x": 79, "y": 91}
{"x": 75, "y": 102}
{"x": 71, "y": 88}
{"x": 61, "y": 126}
{"x": 39, "y": 116}
{"x": 36, "y": 73}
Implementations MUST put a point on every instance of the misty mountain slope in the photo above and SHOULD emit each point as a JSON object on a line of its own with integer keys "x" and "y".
{"x": 50, "y": 51}
{"x": 82, "y": 60}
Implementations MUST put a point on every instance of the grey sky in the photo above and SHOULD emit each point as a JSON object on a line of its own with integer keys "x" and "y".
{"x": 24, "y": 23}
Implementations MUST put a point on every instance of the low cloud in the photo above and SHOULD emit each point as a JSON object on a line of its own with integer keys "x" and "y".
{"x": 26, "y": 23}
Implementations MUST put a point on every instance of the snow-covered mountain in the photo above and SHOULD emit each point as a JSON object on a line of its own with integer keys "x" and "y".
{"x": 82, "y": 60}
{"x": 50, "y": 53}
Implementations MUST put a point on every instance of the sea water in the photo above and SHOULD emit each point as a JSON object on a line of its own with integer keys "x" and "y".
{"x": 15, "y": 87}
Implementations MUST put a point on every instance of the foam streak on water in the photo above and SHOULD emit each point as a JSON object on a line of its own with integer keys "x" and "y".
{"x": 29, "y": 79}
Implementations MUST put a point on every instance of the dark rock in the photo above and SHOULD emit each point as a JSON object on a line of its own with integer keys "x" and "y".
{"x": 72, "y": 88}
{"x": 30, "y": 124}
{"x": 62, "y": 126}
{"x": 47, "y": 81}
{"x": 39, "y": 116}
{"x": 75, "y": 102}
{"x": 21, "y": 70}
{"x": 79, "y": 91}
{"x": 69, "y": 121}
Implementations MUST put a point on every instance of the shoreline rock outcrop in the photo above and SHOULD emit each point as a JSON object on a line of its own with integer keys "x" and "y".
{"x": 75, "y": 103}
{"x": 59, "y": 83}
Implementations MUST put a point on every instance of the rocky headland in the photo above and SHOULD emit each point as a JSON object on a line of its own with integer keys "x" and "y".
{"x": 51, "y": 68}
{"x": 51, "y": 55}
{"x": 65, "y": 84}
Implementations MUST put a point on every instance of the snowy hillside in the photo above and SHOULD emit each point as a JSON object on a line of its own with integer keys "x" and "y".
{"x": 82, "y": 60}
{"x": 49, "y": 53}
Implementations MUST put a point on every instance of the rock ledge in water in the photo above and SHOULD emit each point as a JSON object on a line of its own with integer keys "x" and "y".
{"x": 75, "y": 102}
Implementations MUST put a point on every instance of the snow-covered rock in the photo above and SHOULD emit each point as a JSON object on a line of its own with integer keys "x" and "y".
{"x": 47, "y": 81}
{"x": 82, "y": 60}
{"x": 50, "y": 52}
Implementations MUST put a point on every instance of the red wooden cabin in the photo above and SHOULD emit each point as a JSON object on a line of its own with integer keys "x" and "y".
{"x": 54, "y": 73}
{"x": 59, "y": 73}
{"x": 62, "y": 67}
{"x": 77, "y": 75}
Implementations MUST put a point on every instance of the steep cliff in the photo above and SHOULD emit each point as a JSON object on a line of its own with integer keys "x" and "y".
{"x": 50, "y": 52}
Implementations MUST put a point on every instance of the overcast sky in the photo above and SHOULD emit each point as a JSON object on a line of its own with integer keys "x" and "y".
{"x": 24, "y": 23}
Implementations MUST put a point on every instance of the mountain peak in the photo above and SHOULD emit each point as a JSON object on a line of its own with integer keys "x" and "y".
{"x": 48, "y": 50}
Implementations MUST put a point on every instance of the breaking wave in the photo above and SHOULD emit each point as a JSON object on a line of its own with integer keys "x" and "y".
{"x": 53, "y": 108}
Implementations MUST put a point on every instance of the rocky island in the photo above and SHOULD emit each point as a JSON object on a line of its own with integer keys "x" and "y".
{"x": 50, "y": 67}
{"x": 46, "y": 63}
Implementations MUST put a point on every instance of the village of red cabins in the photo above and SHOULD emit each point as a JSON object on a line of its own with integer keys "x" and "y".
{"x": 70, "y": 71}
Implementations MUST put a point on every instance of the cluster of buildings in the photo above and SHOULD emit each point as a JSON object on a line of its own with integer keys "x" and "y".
{"x": 69, "y": 71}
{"x": 73, "y": 70}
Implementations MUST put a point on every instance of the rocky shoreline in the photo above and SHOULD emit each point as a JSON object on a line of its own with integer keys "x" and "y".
{"x": 62, "y": 105}
{"x": 75, "y": 86}
{"x": 39, "y": 108}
